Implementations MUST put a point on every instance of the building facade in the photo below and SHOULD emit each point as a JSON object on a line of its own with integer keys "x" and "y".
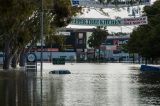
{"x": 115, "y": 47}
{"x": 77, "y": 42}
{"x": 76, "y": 46}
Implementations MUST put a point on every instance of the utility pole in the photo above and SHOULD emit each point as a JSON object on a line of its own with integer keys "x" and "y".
{"x": 41, "y": 24}
{"x": 41, "y": 68}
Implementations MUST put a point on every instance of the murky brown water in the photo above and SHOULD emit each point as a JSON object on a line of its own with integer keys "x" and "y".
{"x": 110, "y": 84}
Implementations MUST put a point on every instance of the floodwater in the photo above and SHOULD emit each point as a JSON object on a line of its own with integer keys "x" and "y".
{"x": 107, "y": 84}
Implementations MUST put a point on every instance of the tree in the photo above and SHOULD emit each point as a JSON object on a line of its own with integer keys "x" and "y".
{"x": 11, "y": 23}
{"x": 19, "y": 23}
{"x": 95, "y": 40}
{"x": 58, "y": 39}
{"x": 145, "y": 39}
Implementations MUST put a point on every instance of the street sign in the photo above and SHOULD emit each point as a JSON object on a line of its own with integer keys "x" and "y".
{"x": 109, "y": 22}
{"x": 112, "y": 4}
{"x": 58, "y": 61}
{"x": 31, "y": 63}
{"x": 75, "y": 2}
{"x": 31, "y": 57}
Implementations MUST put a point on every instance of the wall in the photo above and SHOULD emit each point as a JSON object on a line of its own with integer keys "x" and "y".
{"x": 48, "y": 55}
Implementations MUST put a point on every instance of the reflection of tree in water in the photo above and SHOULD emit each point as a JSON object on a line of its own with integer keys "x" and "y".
{"x": 12, "y": 86}
{"x": 56, "y": 94}
{"x": 26, "y": 89}
{"x": 19, "y": 89}
{"x": 43, "y": 92}
{"x": 32, "y": 90}
{"x": 149, "y": 88}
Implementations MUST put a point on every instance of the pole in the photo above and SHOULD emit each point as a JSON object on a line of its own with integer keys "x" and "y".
{"x": 41, "y": 68}
{"x": 121, "y": 29}
{"x": 41, "y": 21}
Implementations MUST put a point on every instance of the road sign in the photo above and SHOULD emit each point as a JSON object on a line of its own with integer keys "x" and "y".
{"x": 112, "y": 4}
{"x": 75, "y": 2}
{"x": 31, "y": 57}
{"x": 109, "y": 22}
{"x": 31, "y": 63}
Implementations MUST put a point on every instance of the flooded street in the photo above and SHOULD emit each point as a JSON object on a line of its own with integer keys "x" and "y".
{"x": 107, "y": 84}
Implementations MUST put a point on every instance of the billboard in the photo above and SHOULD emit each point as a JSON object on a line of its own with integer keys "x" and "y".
{"x": 111, "y": 47}
{"x": 111, "y": 4}
{"x": 135, "y": 21}
{"x": 116, "y": 41}
{"x": 109, "y": 22}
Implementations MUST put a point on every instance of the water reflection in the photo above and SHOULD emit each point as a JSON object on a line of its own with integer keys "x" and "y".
{"x": 88, "y": 85}
{"x": 150, "y": 88}
{"x": 12, "y": 89}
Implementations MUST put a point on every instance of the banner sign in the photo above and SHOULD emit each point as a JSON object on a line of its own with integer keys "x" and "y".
{"x": 112, "y": 4}
{"x": 96, "y": 22}
{"x": 135, "y": 21}
{"x": 109, "y": 22}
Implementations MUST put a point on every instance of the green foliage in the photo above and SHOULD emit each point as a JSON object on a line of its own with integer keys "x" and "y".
{"x": 145, "y": 39}
{"x": 21, "y": 16}
{"x": 97, "y": 37}
{"x": 58, "y": 61}
{"x": 58, "y": 39}
{"x": 20, "y": 21}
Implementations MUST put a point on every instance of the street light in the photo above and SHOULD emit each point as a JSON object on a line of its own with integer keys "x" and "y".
{"x": 41, "y": 24}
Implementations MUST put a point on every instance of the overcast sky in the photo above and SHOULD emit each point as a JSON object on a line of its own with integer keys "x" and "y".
{"x": 92, "y": 13}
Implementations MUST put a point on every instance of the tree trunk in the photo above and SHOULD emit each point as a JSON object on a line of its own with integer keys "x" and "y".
{"x": 133, "y": 58}
{"x": 14, "y": 61}
{"x": 99, "y": 54}
{"x": 7, "y": 58}
{"x": 6, "y": 64}
{"x": 16, "y": 57}
{"x": 139, "y": 59}
{"x": 146, "y": 60}
{"x": 22, "y": 59}
{"x": 94, "y": 54}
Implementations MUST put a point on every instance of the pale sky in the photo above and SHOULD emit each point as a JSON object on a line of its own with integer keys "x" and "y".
{"x": 112, "y": 14}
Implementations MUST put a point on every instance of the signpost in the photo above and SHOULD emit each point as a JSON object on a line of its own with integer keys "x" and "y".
{"x": 112, "y": 4}
{"x": 109, "y": 22}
